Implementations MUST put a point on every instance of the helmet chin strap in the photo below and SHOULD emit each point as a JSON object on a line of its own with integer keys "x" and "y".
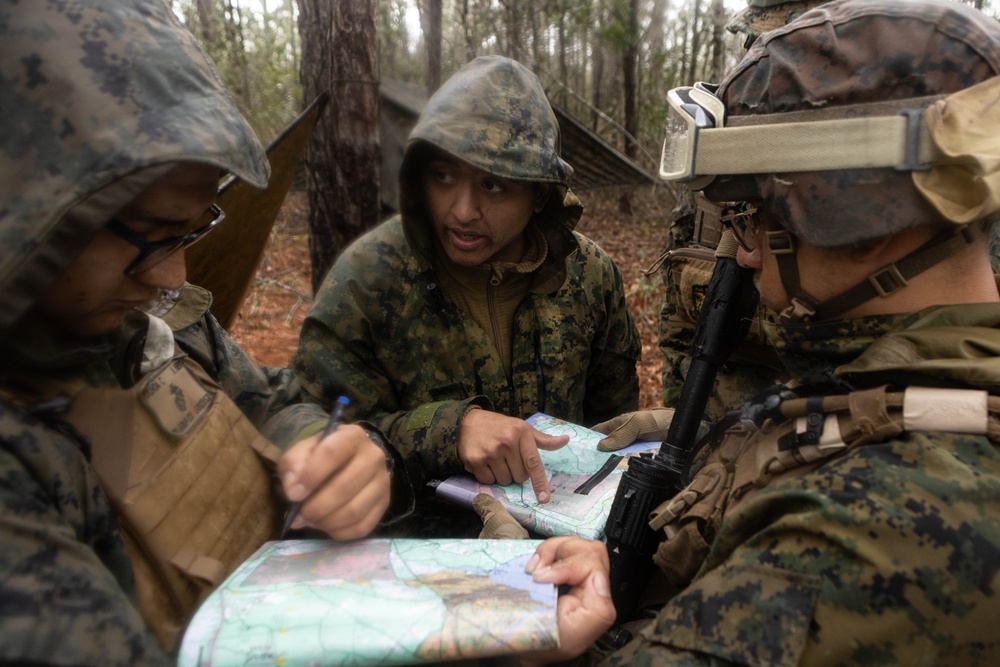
{"x": 887, "y": 280}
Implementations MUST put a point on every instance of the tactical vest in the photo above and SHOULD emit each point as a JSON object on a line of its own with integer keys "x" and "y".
{"x": 795, "y": 437}
{"x": 186, "y": 474}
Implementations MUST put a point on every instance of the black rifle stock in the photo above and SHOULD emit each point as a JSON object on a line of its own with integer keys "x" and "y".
{"x": 652, "y": 478}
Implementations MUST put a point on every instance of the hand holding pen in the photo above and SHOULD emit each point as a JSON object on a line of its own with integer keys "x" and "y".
{"x": 337, "y": 482}
{"x": 336, "y": 417}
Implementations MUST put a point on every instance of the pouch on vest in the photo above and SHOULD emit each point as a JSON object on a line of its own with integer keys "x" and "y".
{"x": 192, "y": 494}
{"x": 692, "y": 518}
{"x": 689, "y": 274}
{"x": 746, "y": 458}
{"x": 806, "y": 433}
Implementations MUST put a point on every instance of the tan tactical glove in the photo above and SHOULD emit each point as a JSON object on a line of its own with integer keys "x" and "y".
{"x": 498, "y": 524}
{"x": 631, "y": 427}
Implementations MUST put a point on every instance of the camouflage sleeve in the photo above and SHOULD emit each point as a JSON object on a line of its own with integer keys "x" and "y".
{"x": 64, "y": 574}
{"x": 612, "y": 378}
{"x": 752, "y": 615}
{"x": 364, "y": 332}
{"x": 428, "y": 436}
{"x": 270, "y": 397}
{"x": 337, "y": 349}
{"x": 888, "y": 555}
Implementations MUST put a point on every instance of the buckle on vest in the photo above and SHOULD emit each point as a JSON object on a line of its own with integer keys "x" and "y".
{"x": 815, "y": 419}
{"x": 753, "y": 414}
{"x": 815, "y": 423}
{"x": 887, "y": 280}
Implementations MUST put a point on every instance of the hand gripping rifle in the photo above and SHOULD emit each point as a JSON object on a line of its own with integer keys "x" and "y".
{"x": 652, "y": 478}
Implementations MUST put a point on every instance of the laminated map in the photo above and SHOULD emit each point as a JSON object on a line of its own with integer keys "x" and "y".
{"x": 583, "y": 481}
{"x": 374, "y": 602}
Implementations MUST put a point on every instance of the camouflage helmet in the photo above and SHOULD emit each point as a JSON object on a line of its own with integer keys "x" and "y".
{"x": 761, "y": 16}
{"x": 850, "y": 52}
{"x": 493, "y": 114}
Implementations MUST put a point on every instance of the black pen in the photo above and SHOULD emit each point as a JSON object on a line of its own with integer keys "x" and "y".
{"x": 336, "y": 417}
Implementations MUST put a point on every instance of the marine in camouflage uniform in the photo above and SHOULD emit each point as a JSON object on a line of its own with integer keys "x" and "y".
{"x": 854, "y": 519}
{"x": 103, "y": 102}
{"x": 407, "y": 328}
{"x": 686, "y": 266}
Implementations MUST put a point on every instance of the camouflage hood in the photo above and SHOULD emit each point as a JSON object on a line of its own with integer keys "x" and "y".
{"x": 91, "y": 116}
{"x": 492, "y": 114}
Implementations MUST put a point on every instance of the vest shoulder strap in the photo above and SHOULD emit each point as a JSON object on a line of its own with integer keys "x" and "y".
{"x": 820, "y": 427}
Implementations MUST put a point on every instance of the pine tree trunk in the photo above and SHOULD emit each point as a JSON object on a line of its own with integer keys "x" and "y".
{"x": 206, "y": 21}
{"x": 430, "y": 23}
{"x": 695, "y": 44}
{"x": 718, "y": 46}
{"x": 343, "y": 159}
{"x": 597, "y": 70}
{"x": 630, "y": 65}
{"x": 470, "y": 46}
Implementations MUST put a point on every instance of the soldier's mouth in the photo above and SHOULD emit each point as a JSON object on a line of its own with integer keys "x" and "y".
{"x": 466, "y": 240}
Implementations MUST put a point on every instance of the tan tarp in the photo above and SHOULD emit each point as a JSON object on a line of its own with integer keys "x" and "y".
{"x": 225, "y": 262}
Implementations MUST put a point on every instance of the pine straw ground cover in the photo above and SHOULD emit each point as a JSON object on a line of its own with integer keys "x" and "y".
{"x": 268, "y": 324}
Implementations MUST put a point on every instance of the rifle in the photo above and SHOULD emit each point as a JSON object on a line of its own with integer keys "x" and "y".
{"x": 652, "y": 478}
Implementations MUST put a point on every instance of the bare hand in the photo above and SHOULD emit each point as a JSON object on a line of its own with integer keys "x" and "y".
{"x": 586, "y": 611}
{"x": 502, "y": 450}
{"x": 341, "y": 480}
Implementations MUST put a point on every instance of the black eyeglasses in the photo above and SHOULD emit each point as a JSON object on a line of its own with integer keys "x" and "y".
{"x": 152, "y": 253}
{"x": 744, "y": 222}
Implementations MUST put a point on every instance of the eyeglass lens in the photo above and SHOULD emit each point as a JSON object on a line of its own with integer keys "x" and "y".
{"x": 152, "y": 253}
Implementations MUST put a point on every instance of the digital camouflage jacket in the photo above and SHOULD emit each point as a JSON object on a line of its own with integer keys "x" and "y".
{"x": 887, "y": 553}
{"x": 67, "y": 165}
{"x": 415, "y": 360}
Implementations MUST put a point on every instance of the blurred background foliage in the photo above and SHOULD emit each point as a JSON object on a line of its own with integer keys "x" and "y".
{"x": 608, "y": 62}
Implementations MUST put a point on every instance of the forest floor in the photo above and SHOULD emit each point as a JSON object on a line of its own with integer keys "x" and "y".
{"x": 268, "y": 324}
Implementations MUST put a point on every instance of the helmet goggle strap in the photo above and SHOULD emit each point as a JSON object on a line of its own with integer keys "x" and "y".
{"x": 882, "y": 283}
{"x": 700, "y": 143}
{"x": 690, "y": 111}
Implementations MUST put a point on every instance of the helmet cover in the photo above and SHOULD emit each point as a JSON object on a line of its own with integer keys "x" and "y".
{"x": 851, "y": 52}
{"x": 763, "y": 15}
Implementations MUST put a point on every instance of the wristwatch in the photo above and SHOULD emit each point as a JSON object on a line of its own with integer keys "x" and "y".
{"x": 375, "y": 436}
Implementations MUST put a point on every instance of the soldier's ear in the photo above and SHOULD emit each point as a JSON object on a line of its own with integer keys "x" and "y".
{"x": 542, "y": 191}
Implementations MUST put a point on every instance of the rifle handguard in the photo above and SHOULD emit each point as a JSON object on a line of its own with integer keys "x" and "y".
{"x": 651, "y": 479}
